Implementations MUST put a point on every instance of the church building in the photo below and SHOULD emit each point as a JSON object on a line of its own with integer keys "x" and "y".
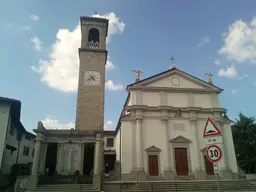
{"x": 160, "y": 131}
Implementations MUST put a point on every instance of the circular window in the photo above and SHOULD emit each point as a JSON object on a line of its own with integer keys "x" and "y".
{"x": 175, "y": 81}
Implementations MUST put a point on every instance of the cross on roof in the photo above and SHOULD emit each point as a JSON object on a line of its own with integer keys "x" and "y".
{"x": 172, "y": 64}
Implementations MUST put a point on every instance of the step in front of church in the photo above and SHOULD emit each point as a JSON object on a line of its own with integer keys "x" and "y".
{"x": 156, "y": 186}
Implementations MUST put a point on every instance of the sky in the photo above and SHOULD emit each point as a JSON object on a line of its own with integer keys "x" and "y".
{"x": 39, "y": 41}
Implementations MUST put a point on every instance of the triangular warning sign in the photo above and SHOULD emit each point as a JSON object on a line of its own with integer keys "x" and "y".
{"x": 211, "y": 129}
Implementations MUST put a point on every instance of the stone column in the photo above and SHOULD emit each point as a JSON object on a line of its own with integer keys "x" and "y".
{"x": 42, "y": 159}
{"x": 60, "y": 158}
{"x": 36, "y": 159}
{"x": 96, "y": 168}
{"x": 167, "y": 164}
{"x": 40, "y": 137}
{"x": 199, "y": 174}
{"x": 97, "y": 162}
{"x": 82, "y": 158}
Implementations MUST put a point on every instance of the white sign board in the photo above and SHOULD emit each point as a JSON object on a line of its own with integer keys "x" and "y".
{"x": 213, "y": 140}
{"x": 216, "y": 168}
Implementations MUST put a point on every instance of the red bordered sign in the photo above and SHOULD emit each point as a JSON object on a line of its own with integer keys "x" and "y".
{"x": 214, "y": 153}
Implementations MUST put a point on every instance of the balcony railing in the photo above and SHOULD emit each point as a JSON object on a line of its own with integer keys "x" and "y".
{"x": 93, "y": 45}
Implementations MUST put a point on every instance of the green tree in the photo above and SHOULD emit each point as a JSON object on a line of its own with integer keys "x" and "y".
{"x": 244, "y": 135}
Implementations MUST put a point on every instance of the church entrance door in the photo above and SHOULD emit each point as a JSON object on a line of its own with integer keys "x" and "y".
{"x": 88, "y": 158}
{"x": 181, "y": 161}
{"x": 208, "y": 166}
{"x": 153, "y": 165}
{"x": 51, "y": 158}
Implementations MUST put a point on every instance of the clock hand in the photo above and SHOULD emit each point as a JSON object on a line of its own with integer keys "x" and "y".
{"x": 91, "y": 77}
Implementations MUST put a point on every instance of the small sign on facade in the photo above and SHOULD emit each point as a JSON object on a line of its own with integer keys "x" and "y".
{"x": 213, "y": 140}
{"x": 215, "y": 168}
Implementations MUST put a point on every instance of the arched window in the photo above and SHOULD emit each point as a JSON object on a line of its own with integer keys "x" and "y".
{"x": 94, "y": 36}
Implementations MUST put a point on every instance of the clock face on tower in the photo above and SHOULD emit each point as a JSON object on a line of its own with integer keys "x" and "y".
{"x": 92, "y": 78}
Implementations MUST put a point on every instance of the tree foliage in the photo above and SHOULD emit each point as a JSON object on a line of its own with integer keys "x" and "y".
{"x": 244, "y": 135}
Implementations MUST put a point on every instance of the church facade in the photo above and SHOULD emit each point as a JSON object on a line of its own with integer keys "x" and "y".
{"x": 160, "y": 131}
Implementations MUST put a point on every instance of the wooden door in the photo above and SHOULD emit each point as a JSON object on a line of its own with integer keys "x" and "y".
{"x": 181, "y": 161}
{"x": 208, "y": 166}
{"x": 153, "y": 165}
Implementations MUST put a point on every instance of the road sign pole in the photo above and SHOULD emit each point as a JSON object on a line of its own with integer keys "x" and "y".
{"x": 216, "y": 171}
{"x": 218, "y": 181}
{"x": 212, "y": 135}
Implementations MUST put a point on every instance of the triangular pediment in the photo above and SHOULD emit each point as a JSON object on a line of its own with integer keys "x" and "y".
{"x": 175, "y": 78}
{"x": 153, "y": 149}
{"x": 180, "y": 139}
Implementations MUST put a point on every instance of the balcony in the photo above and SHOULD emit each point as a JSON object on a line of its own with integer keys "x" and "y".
{"x": 93, "y": 45}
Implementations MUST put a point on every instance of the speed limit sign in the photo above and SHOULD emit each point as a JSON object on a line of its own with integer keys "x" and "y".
{"x": 214, "y": 153}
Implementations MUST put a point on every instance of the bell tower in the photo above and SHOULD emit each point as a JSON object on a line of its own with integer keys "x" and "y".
{"x": 91, "y": 82}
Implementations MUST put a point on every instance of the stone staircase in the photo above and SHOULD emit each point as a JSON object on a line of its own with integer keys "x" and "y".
{"x": 66, "y": 188}
{"x": 231, "y": 185}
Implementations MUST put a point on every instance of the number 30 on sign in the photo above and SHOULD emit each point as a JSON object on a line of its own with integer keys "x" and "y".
{"x": 214, "y": 153}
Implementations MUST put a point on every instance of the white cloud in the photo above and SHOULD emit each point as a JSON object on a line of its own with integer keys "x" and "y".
{"x": 109, "y": 85}
{"x": 240, "y": 42}
{"x": 108, "y": 125}
{"x": 234, "y": 91}
{"x": 37, "y": 43}
{"x": 25, "y": 28}
{"x": 229, "y": 72}
{"x": 110, "y": 65}
{"x": 60, "y": 71}
{"x": 216, "y": 62}
{"x": 50, "y": 123}
{"x": 34, "y": 17}
{"x": 203, "y": 41}
{"x": 115, "y": 26}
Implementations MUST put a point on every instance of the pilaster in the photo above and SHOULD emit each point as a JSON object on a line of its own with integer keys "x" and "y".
{"x": 139, "y": 151}
{"x": 199, "y": 173}
{"x": 134, "y": 146}
{"x": 168, "y": 173}
{"x": 141, "y": 175}
{"x": 163, "y": 98}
